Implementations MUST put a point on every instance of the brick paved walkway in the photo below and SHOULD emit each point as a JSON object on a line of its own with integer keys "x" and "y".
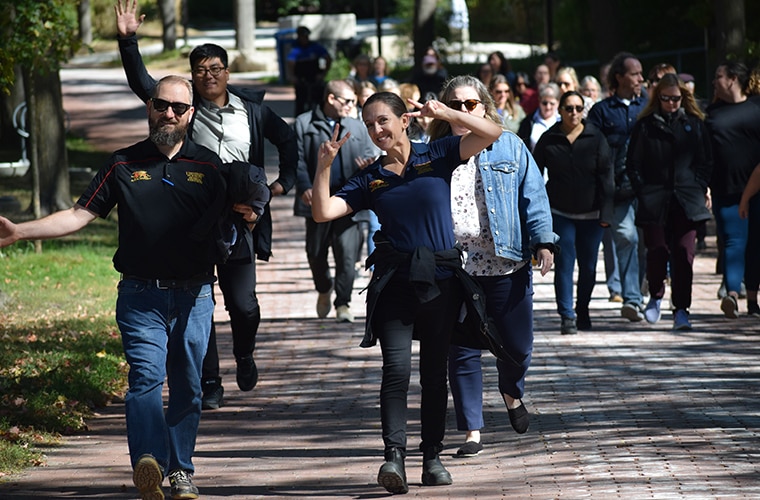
{"x": 624, "y": 411}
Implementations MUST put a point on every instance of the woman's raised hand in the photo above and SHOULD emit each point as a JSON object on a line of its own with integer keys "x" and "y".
{"x": 431, "y": 109}
{"x": 328, "y": 150}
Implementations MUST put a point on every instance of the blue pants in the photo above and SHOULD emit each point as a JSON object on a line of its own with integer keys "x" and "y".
{"x": 578, "y": 239}
{"x": 741, "y": 242}
{"x": 610, "y": 262}
{"x": 165, "y": 334}
{"x": 509, "y": 301}
{"x": 626, "y": 238}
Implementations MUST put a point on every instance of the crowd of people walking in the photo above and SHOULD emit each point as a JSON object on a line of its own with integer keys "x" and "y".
{"x": 468, "y": 185}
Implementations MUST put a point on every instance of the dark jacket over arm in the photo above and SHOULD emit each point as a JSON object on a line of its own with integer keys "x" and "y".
{"x": 262, "y": 121}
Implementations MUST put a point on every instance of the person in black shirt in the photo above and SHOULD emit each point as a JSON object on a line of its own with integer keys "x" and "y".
{"x": 170, "y": 193}
{"x": 233, "y": 122}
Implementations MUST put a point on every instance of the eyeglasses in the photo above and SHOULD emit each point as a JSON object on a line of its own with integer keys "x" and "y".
{"x": 179, "y": 108}
{"x": 214, "y": 70}
{"x": 469, "y": 104}
{"x": 548, "y": 103}
{"x": 570, "y": 109}
{"x": 671, "y": 98}
{"x": 344, "y": 101}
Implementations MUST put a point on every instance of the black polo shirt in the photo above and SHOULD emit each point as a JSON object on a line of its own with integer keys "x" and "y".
{"x": 161, "y": 203}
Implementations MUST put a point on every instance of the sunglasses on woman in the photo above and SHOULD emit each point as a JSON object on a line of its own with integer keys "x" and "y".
{"x": 469, "y": 104}
{"x": 570, "y": 109}
{"x": 671, "y": 98}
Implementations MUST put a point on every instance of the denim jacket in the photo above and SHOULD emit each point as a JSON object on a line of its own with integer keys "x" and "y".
{"x": 518, "y": 206}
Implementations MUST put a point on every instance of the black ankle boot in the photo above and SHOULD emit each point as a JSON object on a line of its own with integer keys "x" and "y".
{"x": 433, "y": 471}
{"x": 392, "y": 475}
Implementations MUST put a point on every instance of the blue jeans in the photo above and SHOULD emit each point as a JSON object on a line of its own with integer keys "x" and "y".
{"x": 626, "y": 238}
{"x": 509, "y": 302}
{"x": 577, "y": 239}
{"x": 610, "y": 262}
{"x": 165, "y": 334}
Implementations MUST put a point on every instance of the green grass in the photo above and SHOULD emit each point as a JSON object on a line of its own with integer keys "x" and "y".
{"x": 60, "y": 350}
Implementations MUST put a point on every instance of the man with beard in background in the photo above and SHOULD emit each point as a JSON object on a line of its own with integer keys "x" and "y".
{"x": 170, "y": 195}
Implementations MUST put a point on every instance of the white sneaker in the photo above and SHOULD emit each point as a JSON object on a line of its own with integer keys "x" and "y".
{"x": 343, "y": 315}
{"x": 323, "y": 304}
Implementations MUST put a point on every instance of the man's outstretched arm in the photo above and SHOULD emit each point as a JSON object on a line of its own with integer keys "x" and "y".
{"x": 54, "y": 225}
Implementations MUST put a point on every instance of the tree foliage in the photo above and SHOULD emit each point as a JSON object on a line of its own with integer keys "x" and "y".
{"x": 35, "y": 35}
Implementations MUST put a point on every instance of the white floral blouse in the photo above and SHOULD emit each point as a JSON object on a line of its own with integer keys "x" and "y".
{"x": 471, "y": 227}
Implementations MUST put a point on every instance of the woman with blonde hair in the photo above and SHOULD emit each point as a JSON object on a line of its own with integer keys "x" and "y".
{"x": 501, "y": 218}
{"x": 511, "y": 113}
{"x": 567, "y": 79}
{"x": 669, "y": 164}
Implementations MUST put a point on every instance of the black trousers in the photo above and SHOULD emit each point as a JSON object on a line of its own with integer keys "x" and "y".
{"x": 237, "y": 281}
{"x": 398, "y": 318}
{"x": 346, "y": 239}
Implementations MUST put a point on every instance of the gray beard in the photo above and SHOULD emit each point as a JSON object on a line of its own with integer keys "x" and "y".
{"x": 166, "y": 137}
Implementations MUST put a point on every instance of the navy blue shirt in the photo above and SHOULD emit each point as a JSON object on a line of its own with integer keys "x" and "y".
{"x": 413, "y": 210}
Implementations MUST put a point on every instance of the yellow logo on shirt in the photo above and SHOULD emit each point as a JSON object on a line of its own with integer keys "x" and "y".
{"x": 140, "y": 175}
{"x": 196, "y": 177}
{"x": 377, "y": 184}
{"x": 424, "y": 168}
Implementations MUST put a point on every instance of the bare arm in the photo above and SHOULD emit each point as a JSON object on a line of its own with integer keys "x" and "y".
{"x": 53, "y": 226}
{"x": 323, "y": 206}
{"x": 750, "y": 190}
{"x": 483, "y": 132}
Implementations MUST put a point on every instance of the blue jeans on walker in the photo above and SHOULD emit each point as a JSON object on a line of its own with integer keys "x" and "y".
{"x": 165, "y": 333}
{"x": 734, "y": 232}
{"x": 626, "y": 238}
{"x": 577, "y": 239}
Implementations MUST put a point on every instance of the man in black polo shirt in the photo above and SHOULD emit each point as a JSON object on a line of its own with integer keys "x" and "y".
{"x": 170, "y": 196}
{"x": 233, "y": 122}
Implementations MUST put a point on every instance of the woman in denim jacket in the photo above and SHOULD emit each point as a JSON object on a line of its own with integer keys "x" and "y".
{"x": 501, "y": 218}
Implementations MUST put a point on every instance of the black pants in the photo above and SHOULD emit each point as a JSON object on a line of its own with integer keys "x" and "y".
{"x": 345, "y": 237}
{"x": 237, "y": 281}
{"x": 397, "y": 319}
{"x": 308, "y": 95}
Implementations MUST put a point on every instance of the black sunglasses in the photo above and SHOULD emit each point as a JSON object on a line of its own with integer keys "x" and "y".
{"x": 179, "y": 108}
{"x": 671, "y": 98}
{"x": 469, "y": 104}
{"x": 570, "y": 109}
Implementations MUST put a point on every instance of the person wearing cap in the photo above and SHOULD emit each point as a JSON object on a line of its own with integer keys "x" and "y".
{"x": 308, "y": 63}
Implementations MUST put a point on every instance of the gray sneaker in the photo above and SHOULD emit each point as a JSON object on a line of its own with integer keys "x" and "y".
{"x": 182, "y": 485}
{"x": 631, "y": 312}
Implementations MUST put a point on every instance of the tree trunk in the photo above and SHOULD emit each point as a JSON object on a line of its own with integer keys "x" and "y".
{"x": 9, "y": 139}
{"x": 85, "y": 22}
{"x": 605, "y": 25}
{"x": 424, "y": 28}
{"x": 245, "y": 35}
{"x": 731, "y": 28}
{"x": 168, "y": 11}
{"x": 47, "y": 142}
